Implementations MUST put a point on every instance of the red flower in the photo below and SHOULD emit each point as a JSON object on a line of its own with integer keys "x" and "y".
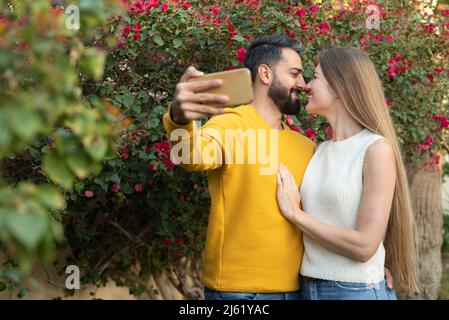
{"x": 123, "y": 149}
{"x": 241, "y": 52}
{"x": 364, "y": 42}
{"x": 230, "y": 26}
{"x": 150, "y": 182}
{"x": 232, "y": 35}
{"x": 328, "y": 132}
{"x": 314, "y": 8}
{"x": 179, "y": 240}
{"x": 289, "y": 121}
{"x": 434, "y": 162}
{"x": 56, "y": 11}
{"x": 125, "y": 156}
{"x": 429, "y": 140}
{"x": 444, "y": 123}
{"x": 138, "y": 187}
{"x": 89, "y": 193}
{"x": 324, "y": 27}
{"x": 389, "y": 38}
{"x": 168, "y": 164}
{"x": 445, "y": 12}
{"x": 126, "y": 30}
{"x": 216, "y": 22}
{"x": 186, "y": 5}
{"x": 392, "y": 71}
{"x": 291, "y": 34}
{"x": 310, "y": 133}
{"x": 431, "y": 78}
{"x": 301, "y": 12}
{"x": 182, "y": 197}
{"x": 115, "y": 187}
{"x": 389, "y": 102}
{"x": 150, "y": 167}
{"x": 166, "y": 241}
{"x": 230, "y": 68}
{"x": 437, "y": 70}
{"x": 164, "y": 7}
{"x": 378, "y": 38}
{"x": 137, "y": 27}
{"x": 303, "y": 24}
{"x": 147, "y": 149}
{"x": 163, "y": 148}
{"x": 136, "y": 36}
{"x": 215, "y": 10}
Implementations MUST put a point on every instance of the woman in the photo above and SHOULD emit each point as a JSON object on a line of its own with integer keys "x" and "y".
{"x": 357, "y": 215}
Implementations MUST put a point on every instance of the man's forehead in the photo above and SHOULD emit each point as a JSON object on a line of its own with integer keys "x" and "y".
{"x": 291, "y": 58}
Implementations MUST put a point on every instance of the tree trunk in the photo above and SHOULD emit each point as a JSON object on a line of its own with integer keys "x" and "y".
{"x": 179, "y": 282}
{"x": 425, "y": 188}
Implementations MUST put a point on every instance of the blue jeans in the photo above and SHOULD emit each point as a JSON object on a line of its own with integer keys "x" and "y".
{"x": 210, "y": 294}
{"x": 317, "y": 289}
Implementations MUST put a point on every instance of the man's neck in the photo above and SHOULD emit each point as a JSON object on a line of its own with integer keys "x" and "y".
{"x": 268, "y": 111}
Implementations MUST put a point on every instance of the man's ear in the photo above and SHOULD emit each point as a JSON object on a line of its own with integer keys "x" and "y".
{"x": 265, "y": 74}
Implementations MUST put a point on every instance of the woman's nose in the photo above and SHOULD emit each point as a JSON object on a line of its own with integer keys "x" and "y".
{"x": 308, "y": 86}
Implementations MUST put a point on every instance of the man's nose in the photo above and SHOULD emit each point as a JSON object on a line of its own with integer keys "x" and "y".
{"x": 301, "y": 83}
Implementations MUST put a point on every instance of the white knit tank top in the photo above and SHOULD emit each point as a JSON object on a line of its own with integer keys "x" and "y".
{"x": 331, "y": 191}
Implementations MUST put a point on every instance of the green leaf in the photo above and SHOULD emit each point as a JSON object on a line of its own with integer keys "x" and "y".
{"x": 57, "y": 169}
{"x": 5, "y": 136}
{"x": 177, "y": 43}
{"x": 27, "y": 228}
{"x": 98, "y": 148}
{"x": 154, "y": 122}
{"x": 23, "y": 122}
{"x": 158, "y": 40}
{"x": 93, "y": 61}
{"x": 3, "y": 286}
{"x": 239, "y": 38}
{"x": 80, "y": 164}
{"x": 50, "y": 197}
{"x": 23, "y": 292}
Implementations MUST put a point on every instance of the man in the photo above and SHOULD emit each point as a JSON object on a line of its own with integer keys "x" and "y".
{"x": 252, "y": 252}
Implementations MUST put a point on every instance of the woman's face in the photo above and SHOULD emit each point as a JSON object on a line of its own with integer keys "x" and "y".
{"x": 321, "y": 95}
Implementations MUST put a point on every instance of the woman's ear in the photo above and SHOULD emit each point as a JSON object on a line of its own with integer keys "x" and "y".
{"x": 265, "y": 74}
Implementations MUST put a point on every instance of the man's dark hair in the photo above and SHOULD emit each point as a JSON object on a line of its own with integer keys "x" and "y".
{"x": 268, "y": 50}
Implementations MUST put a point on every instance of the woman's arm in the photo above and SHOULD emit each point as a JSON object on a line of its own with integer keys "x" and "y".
{"x": 379, "y": 176}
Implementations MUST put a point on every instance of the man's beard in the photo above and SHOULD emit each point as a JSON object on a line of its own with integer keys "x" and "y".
{"x": 282, "y": 98}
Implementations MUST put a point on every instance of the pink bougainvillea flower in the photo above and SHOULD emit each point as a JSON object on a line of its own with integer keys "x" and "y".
{"x": 310, "y": 133}
{"x": 89, "y": 193}
{"x": 314, "y": 8}
{"x": 241, "y": 52}
{"x": 301, "y": 12}
{"x": 115, "y": 187}
{"x": 164, "y": 7}
{"x": 215, "y": 10}
{"x": 163, "y": 148}
{"x": 186, "y": 5}
{"x": 324, "y": 27}
{"x": 444, "y": 123}
{"x": 138, "y": 187}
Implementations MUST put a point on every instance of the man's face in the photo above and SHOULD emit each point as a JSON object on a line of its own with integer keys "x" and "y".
{"x": 287, "y": 83}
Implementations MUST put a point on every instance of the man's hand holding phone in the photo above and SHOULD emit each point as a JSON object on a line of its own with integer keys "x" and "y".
{"x": 190, "y": 103}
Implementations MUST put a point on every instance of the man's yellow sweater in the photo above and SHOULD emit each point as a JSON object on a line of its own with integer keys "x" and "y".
{"x": 250, "y": 246}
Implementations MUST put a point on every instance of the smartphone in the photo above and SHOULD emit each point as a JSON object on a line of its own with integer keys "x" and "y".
{"x": 236, "y": 84}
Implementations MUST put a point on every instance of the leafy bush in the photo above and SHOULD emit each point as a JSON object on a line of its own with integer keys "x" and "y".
{"x": 140, "y": 212}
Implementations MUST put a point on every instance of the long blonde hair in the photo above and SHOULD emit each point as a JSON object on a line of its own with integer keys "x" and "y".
{"x": 353, "y": 77}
